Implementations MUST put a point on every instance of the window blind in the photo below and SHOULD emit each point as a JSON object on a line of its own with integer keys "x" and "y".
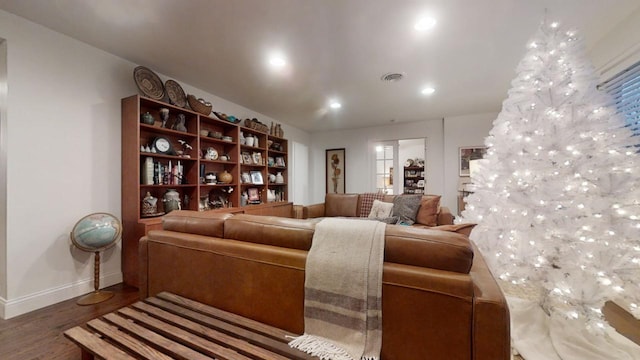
{"x": 625, "y": 90}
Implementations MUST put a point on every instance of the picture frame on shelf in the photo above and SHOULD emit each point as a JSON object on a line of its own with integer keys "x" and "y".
{"x": 256, "y": 178}
{"x": 257, "y": 158}
{"x": 246, "y": 158}
{"x": 270, "y": 161}
{"x": 253, "y": 194}
{"x": 335, "y": 171}
{"x": 466, "y": 155}
{"x": 280, "y": 161}
{"x": 245, "y": 178}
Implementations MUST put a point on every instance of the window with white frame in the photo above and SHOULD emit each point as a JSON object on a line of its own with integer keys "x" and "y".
{"x": 384, "y": 168}
{"x": 625, "y": 90}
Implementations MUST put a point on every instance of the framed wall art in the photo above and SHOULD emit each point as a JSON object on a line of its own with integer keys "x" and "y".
{"x": 335, "y": 171}
{"x": 467, "y": 154}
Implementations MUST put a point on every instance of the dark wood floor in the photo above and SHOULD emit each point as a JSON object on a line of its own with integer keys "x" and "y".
{"x": 38, "y": 334}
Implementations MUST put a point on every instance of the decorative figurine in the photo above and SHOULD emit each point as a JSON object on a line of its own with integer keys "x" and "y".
{"x": 185, "y": 148}
{"x": 180, "y": 123}
{"x": 164, "y": 116}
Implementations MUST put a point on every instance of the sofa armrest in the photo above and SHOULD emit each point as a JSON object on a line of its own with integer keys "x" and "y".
{"x": 445, "y": 217}
{"x": 313, "y": 211}
{"x": 464, "y": 229}
{"x": 143, "y": 266}
{"x": 491, "y": 321}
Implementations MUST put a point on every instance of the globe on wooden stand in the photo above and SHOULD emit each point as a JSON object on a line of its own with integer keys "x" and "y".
{"x": 96, "y": 232}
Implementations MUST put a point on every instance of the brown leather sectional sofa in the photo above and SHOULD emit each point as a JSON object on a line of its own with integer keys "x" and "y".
{"x": 439, "y": 299}
{"x": 351, "y": 205}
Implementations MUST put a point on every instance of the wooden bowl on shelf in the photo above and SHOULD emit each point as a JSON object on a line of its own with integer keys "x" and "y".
{"x": 199, "y": 105}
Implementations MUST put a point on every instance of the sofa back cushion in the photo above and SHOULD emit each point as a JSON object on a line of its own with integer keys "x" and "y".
{"x": 442, "y": 250}
{"x": 423, "y": 247}
{"x": 341, "y": 205}
{"x": 271, "y": 230}
{"x": 207, "y": 223}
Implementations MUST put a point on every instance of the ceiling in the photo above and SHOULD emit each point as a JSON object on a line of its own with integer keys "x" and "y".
{"x": 335, "y": 49}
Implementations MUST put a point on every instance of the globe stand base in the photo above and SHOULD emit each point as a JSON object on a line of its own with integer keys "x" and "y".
{"x": 95, "y": 297}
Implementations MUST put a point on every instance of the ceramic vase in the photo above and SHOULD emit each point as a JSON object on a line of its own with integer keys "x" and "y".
{"x": 149, "y": 205}
{"x": 279, "y": 178}
{"x": 147, "y": 118}
{"x": 225, "y": 177}
{"x": 171, "y": 200}
{"x": 164, "y": 116}
{"x": 271, "y": 195}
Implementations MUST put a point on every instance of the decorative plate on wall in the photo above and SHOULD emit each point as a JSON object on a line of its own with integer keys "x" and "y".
{"x": 175, "y": 93}
{"x": 148, "y": 82}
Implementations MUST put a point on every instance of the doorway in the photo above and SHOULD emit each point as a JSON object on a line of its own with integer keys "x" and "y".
{"x": 391, "y": 158}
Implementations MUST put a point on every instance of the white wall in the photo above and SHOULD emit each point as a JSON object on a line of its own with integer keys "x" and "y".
{"x": 461, "y": 131}
{"x": 360, "y": 154}
{"x": 3, "y": 169}
{"x": 443, "y": 140}
{"x": 63, "y": 145}
{"x": 618, "y": 49}
{"x": 411, "y": 149}
{"x": 299, "y": 173}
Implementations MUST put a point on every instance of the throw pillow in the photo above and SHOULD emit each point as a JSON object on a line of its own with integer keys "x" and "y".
{"x": 366, "y": 202}
{"x": 428, "y": 211}
{"x": 405, "y": 207}
{"x": 389, "y": 220}
{"x": 380, "y": 210}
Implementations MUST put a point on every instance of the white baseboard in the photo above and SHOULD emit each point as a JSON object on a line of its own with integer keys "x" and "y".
{"x": 24, "y": 304}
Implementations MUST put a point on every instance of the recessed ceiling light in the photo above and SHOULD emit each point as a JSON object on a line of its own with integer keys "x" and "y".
{"x": 335, "y": 105}
{"x": 428, "y": 91}
{"x": 277, "y": 61}
{"x": 425, "y": 23}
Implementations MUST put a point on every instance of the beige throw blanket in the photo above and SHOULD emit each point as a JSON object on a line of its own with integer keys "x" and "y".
{"x": 343, "y": 291}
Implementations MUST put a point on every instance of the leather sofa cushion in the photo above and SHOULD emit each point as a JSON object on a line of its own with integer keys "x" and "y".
{"x": 423, "y": 247}
{"x": 205, "y": 223}
{"x": 341, "y": 205}
{"x": 434, "y": 249}
{"x": 271, "y": 230}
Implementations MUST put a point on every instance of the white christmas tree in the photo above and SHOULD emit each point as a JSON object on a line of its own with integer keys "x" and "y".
{"x": 557, "y": 195}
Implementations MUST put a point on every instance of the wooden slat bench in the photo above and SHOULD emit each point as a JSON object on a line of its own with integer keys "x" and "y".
{"x": 169, "y": 326}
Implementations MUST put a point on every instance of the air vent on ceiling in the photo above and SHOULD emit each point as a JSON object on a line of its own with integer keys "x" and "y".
{"x": 392, "y": 77}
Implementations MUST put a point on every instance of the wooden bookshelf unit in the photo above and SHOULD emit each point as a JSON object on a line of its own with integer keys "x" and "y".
{"x": 208, "y": 146}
